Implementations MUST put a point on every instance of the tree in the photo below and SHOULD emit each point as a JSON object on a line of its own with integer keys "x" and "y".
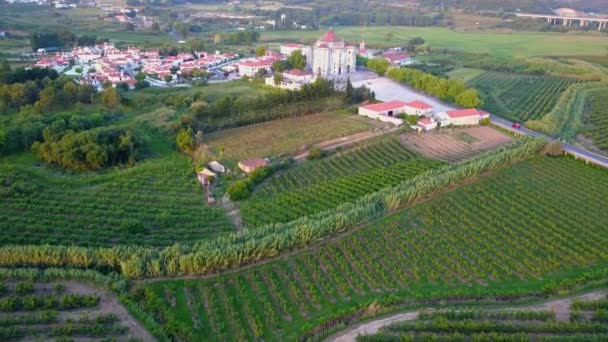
{"x": 416, "y": 41}
{"x": 181, "y": 28}
{"x": 349, "y": 90}
{"x": 469, "y": 98}
{"x": 168, "y": 78}
{"x": 297, "y": 60}
{"x": 140, "y": 84}
{"x": 315, "y": 153}
{"x": 2, "y": 138}
{"x": 130, "y": 27}
{"x": 155, "y": 27}
{"x": 278, "y": 78}
{"x": 260, "y": 51}
{"x": 279, "y": 66}
{"x": 261, "y": 73}
{"x": 379, "y": 65}
{"x": 110, "y": 98}
{"x": 217, "y": 39}
{"x": 140, "y": 76}
{"x": 184, "y": 140}
{"x": 124, "y": 86}
{"x": 239, "y": 190}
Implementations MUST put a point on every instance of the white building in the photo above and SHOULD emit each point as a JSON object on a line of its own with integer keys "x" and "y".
{"x": 385, "y": 111}
{"x": 293, "y": 79}
{"x": 425, "y": 124}
{"x": 419, "y": 108}
{"x": 332, "y": 58}
{"x": 398, "y": 59}
{"x": 461, "y": 117}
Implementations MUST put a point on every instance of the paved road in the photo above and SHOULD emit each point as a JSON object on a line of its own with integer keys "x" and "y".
{"x": 578, "y": 152}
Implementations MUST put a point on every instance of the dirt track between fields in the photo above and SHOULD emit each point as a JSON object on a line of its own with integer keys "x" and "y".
{"x": 561, "y": 307}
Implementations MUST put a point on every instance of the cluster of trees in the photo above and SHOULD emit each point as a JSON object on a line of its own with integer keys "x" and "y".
{"x": 21, "y": 75}
{"x": 296, "y": 60}
{"x": 246, "y": 37}
{"x": 241, "y": 189}
{"x": 61, "y": 38}
{"x": 445, "y": 89}
{"x": 87, "y": 150}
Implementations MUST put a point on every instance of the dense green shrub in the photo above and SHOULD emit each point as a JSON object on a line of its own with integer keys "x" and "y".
{"x": 239, "y": 190}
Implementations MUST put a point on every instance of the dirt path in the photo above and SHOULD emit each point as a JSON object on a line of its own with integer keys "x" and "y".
{"x": 345, "y": 141}
{"x": 233, "y": 212}
{"x": 561, "y": 307}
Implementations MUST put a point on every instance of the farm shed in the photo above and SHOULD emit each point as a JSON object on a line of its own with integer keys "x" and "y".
{"x": 250, "y": 165}
{"x": 216, "y": 166}
{"x": 461, "y": 117}
{"x": 386, "y": 111}
{"x": 206, "y": 176}
{"x": 425, "y": 124}
{"x": 419, "y": 108}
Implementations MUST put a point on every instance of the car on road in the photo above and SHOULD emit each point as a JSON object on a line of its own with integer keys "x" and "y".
{"x": 516, "y": 125}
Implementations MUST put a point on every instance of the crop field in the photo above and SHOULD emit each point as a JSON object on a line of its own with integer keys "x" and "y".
{"x": 508, "y": 44}
{"x": 520, "y": 97}
{"x": 457, "y": 144}
{"x": 156, "y": 203}
{"x": 541, "y": 218}
{"x": 54, "y": 311}
{"x": 325, "y": 184}
{"x": 517, "y": 325}
{"x": 283, "y": 136}
{"x": 597, "y": 119}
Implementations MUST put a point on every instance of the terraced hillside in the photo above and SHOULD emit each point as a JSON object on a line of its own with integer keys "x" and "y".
{"x": 324, "y": 184}
{"x": 542, "y": 218}
{"x": 520, "y": 97}
{"x": 155, "y": 203}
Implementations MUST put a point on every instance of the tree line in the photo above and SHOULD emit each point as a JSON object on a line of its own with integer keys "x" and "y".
{"x": 62, "y": 38}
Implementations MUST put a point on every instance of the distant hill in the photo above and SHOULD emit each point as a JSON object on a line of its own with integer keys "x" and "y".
{"x": 535, "y": 6}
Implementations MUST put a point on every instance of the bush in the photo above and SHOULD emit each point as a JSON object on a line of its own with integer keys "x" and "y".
{"x": 315, "y": 153}
{"x": 485, "y": 121}
{"x": 24, "y": 288}
{"x": 258, "y": 175}
{"x": 239, "y": 190}
{"x": 553, "y": 149}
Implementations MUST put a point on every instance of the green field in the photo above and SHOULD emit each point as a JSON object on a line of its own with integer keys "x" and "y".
{"x": 520, "y": 97}
{"x": 508, "y": 44}
{"x": 283, "y": 136}
{"x": 154, "y": 203}
{"x": 508, "y": 233}
{"x": 320, "y": 185}
{"x": 597, "y": 119}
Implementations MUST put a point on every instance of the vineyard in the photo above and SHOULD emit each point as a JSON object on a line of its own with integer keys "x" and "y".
{"x": 45, "y": 311}
{"x": 597, "y": 119}
{"x": 520, "y": 325}
{"x": 320, "y": 185}
{"x": 541, "y": 218}
{"x": 155, "y": 203}
{"x": 520, "y": 97}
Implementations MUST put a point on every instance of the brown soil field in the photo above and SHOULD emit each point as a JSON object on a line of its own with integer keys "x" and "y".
{"x": 455, "y": 144}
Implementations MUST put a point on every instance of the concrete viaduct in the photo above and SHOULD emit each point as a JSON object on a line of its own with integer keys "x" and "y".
{"x": 567, "y": 21}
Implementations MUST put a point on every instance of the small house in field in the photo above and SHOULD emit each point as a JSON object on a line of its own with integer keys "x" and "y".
{"x": 206, "y": 177}
{"x": 248, "y": 166}
{"x": 398, "y": 59}
{"x": 385, "y": 111}
{"x": 215, "y": 166}
{"x": 419, "y": 108}
{"x": 425, "y": 124}
{"x": 461, "y": 117}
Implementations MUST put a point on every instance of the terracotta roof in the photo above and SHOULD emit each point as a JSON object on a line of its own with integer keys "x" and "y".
{"x": 329, "y": 37}
{"x": 419, "y": 105}
{"x": 297, "y": 72}
{"x": 384, "y": 106}
{"x": 253, "y": 163}
{"x": 393, "y": 57}
{"x": 463, "y": 113}
{"x": 425, "y": 121}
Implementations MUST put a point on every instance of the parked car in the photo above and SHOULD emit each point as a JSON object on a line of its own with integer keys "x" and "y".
{"x": 516, "y": 125}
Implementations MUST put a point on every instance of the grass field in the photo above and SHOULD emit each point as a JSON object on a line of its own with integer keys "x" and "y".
{"x": 508, "y": 44}
{"x": 511, "y": 232}
{"x": 520, "y": 97}
{"x": 465, "y": 74}
{"x": 282, "y": 136}
{"x": 155, "y": 203}
{"x": 597, "y": 119}
{"x": 324, "y": 184}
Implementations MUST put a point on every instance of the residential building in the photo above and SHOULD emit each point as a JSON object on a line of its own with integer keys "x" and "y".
{"x": 461, "y": 117}
{"x": 248, "y": 166}
{"x": 385, "y": 111}
{"x": 419, "y": 108}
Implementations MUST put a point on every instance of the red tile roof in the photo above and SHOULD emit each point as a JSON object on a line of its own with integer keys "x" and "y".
{"x": 393, "y": 57}
{"x": 463, "y": 113}
{"x": 384, "y": 106}
{"x": 297, "y": 72}
{"x": 419, "y": 105}
{"x": 254, "y": 163}
{"x": 329, "y": 37}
